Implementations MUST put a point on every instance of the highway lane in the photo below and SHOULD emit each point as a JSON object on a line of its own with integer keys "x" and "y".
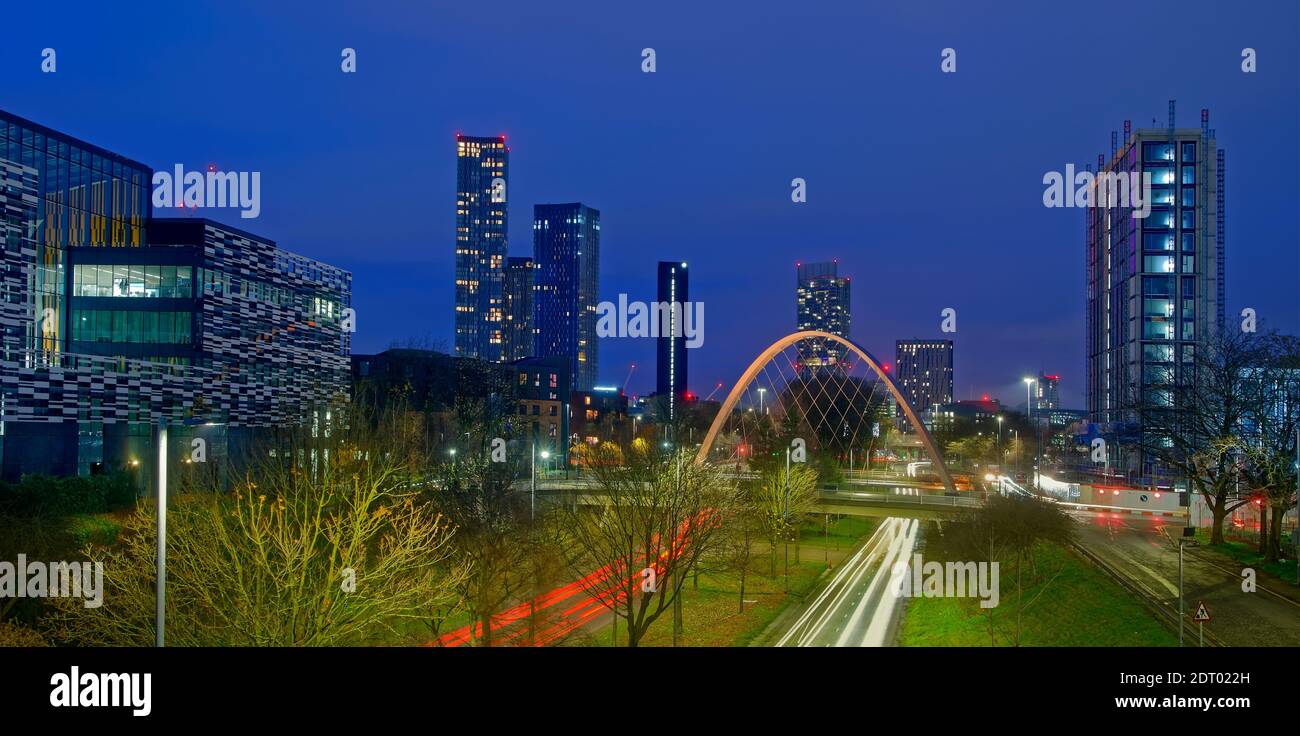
{"x": 856, "y": 607}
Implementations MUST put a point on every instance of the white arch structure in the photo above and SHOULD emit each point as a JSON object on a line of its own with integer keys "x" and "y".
{"x": 774, "y": 349}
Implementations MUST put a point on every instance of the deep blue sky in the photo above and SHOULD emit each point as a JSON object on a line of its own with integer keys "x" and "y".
{"x": 926, "y": 186}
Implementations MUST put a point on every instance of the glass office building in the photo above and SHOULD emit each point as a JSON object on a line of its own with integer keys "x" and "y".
{"x": 482, "y": 173}
{"x": 1154, "y": 283}
{"x": 566, "y": 251}
{"x": 822, "y": 303}
{"x": 114, "y": 321}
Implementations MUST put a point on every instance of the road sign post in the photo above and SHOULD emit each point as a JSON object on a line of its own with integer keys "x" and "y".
{"x": 1200, "y": 617}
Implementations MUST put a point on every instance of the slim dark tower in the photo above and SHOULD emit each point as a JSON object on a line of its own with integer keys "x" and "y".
{"x": 518, "y": 330}
{"x": 670, "y": 367}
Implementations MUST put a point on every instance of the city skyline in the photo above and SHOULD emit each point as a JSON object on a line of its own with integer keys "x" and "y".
{"x": 633, "y": 148}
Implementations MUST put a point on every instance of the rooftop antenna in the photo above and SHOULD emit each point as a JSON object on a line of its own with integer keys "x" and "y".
{"x": 1128, "y": 130}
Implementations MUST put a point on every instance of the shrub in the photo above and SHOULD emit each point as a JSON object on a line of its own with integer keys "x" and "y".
{"x": 16, "y": 635}
{"x": 93, "y": 530}
{"x": 45, "y": 495}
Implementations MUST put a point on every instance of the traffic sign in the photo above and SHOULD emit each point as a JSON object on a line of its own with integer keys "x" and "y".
{"x": 1202, "y": 613}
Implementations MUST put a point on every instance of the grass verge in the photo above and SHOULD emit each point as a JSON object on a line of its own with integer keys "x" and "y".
{"x": 1078, "y": 606}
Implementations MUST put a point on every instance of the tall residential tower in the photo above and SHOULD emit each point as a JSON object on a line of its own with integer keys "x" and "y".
{"x": 923, "y": 373}
{"x": 822, "y": 303}
{"x": 566, "y": 253}
{"x": 1154, "y": 283}
{"x": 482, "y": 170}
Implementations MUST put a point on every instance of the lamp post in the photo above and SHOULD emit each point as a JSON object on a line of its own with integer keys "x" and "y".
{"x": 161, "y": 601}
{"x": 785, "y": 518}
{"x": 1029, "y": 412}
{"x": 761, "y": 391}
{"x": 160, "y": 594}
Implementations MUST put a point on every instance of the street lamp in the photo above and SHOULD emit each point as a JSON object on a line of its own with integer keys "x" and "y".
{"x": 1029, "y": 414}
{"x": 532, "y": 501}
{"x": 761, "y": 391}
{"x": 160, "y": 561}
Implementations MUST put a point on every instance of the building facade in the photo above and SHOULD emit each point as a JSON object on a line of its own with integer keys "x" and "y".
{"x": 518, "y": 333}
{"x": 923, "y": 373}
{"x": 671, "y": 359}
{"x": 600, "y": 415}
{"x": 482, "y": 173}
{"x": 822, "y": 303}
{"x": 527, "y": 401}
{"x": 1154, "y": 283}
{"x": 566, "y": 252}
{"x": 1046, "y": 392}
{"x": 115, "y": 322}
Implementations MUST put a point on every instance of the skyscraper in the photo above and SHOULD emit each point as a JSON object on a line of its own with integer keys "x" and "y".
{"x": 670, "y": 348}
{"x": 517, "y": 334}
{"x": 1155, "y": 284}
{"x": 923, "y": 373}
{"x": 822, "y": 301}
{"x": 1046, "y": 392}
{"x": 566, "y": 251}
{"x": 482, "y": 170}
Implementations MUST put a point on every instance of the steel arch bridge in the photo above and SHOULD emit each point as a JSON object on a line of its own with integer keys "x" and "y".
{"x": 776, "y": 349}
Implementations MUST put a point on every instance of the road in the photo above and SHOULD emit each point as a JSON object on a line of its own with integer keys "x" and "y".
{"x": 856, "y": 607}
{"x": 1135, "y": 548}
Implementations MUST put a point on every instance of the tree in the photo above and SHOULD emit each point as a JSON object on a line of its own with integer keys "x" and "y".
{"x": 1010, "y": 525}
{"x": 744, "y": 524}
{"x": 335, "y": 551}
{"x": 492, "y": 536}
{"x": 660, "y": 515}
{"x": 1267, "y": 454}
{"x": 1204, "y": 424}
{"x": 974, "y": 450}
{"x": 498, "y": 540}
{"x": 785, "y": 497}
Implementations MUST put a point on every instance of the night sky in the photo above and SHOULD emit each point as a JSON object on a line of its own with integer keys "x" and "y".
{"x": 926, "y": 186}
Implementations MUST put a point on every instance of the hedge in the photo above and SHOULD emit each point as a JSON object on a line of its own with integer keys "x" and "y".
{"x": 44, "y": 495}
